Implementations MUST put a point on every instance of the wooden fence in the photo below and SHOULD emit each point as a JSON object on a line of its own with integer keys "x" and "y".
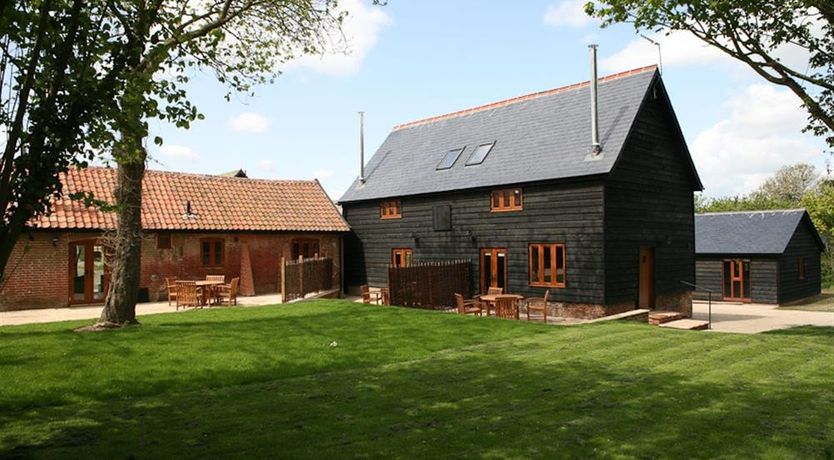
{"x": 429, "y": 285}
{"x": 301, "y": 277}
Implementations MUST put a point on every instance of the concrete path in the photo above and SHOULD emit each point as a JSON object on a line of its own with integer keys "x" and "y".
{"x": 48, "y": 315}
{"x": 752, "y": 318}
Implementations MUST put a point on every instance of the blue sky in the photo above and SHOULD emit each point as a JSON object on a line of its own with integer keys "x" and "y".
{"x": 413, "y": 59}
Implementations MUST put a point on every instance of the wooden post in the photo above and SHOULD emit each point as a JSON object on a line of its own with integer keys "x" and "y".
{"x": 283, "y": 281}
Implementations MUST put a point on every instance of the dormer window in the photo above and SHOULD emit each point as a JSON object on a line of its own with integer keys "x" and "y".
{"x": 450, "y": 158}
{"x": 480, "y": 154}
{"x": 390, "y": 209}
{"x": 508, "y": 199}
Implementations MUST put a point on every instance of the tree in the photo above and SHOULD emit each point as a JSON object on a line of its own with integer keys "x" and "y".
{"x": 241, "y": 41}
{"x": 55, "y": 86}
{"x": 755, "y": 33}
{"x": 819, "y": 203}
{"x": 751, "y": 202}
{"x": 790, "y": 183}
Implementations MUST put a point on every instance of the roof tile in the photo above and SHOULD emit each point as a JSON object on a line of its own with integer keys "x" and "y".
{"x": 220, "y": 203}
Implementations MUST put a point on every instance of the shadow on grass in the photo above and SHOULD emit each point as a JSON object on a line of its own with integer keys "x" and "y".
{"x": 48, "y": 365}
{"x": 485, "y": 401}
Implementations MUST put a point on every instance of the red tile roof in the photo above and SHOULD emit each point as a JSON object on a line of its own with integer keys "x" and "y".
{"x": 217, "y": 203}
{"x": 526, "y": 97}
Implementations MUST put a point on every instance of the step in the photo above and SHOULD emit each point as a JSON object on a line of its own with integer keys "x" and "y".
{"x": 659, "y": 317}
{"x": 688, "y": 324}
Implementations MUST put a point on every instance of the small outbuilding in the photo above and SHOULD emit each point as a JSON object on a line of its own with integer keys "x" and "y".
{"x": 757, "y": 256}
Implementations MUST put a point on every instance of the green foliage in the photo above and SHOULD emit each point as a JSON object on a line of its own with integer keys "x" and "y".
{"x": 820, "y": 205}
{"x": 756, "y": 33}
{"x": 266, "y": 383}
{"x": 752, "y": 202}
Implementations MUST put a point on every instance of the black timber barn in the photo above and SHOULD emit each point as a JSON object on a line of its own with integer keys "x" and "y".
{"x": 757, "y": 256}
{"x": 515, "y": 187}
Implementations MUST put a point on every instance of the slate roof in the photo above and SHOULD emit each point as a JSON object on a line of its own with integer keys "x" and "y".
{"x": 748, "y": 232}
{"x": 540, "y": 136}
{"x": 218, "y": 203}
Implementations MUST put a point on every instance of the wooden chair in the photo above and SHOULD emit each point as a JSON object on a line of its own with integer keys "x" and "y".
{"x": 386, "y": 296}
{"x": 538, "y": 305}
{"x": 370, "y": 297}
{"x": 212, "y": 290}
{"x": 227, "y": 293}
{"x": 466, "y": 307}
{"x": 495, "y": 290}
{"x": 188, "y": 295}
{"x": 506, "y": 306}
{"x": 171, "y": 283}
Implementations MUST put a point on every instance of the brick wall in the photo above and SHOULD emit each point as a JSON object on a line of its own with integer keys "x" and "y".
{"x": 38, "y": 271}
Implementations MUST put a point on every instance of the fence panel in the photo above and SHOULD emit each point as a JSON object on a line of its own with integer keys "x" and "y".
{"x": 430, "y": 285}
{"x": 301, "y": 277}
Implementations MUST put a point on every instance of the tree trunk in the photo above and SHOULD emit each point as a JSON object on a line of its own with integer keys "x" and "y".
{"x": 126, "y": 262}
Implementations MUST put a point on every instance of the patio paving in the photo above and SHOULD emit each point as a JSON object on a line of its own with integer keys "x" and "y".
{"x": 48, "y": 315}
{"x": 752, "y": 318}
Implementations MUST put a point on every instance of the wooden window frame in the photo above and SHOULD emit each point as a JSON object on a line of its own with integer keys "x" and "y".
{"x": 213, "y": 262}
{"x": 801, "y": 267}
{"x": 390, "y": 209}
{"x": 159, "y": 240}
{"x": 493, "y": 251}
{"x": 553, "y": 283}
{"x": 402, "y": 252}
{"x": 740, "y": 279}
{"x": 315, "y": 242}
{"x": 504, "y": 195}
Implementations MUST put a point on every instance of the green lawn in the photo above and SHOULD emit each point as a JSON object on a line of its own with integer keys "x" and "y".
{"x": 823, "y": 302}
{"x": 266, "y": 382}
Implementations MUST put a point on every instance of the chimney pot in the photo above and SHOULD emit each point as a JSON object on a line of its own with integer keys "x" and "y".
{"x": 596, "y": 148}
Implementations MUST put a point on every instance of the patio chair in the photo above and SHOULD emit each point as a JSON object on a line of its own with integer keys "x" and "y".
{"x": 538, "y": 305}
{"x": 188, "y": 295}
{"x": 213, "y": 294}
{"x": 171, "y": 284}
{"x": 495, "y": 290}
{"x": 506, "y": 306}
{"x": 370, "y": 297}
{"x": 227, "y": 293}
{"x": 466, "y": 307}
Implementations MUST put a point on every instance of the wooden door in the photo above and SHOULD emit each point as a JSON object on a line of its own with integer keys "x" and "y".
{"x": 493, "y": 268}
{"x": 646, "y": 288}
{"x": 736, "y": 280}
{"x": 88, "y": 276}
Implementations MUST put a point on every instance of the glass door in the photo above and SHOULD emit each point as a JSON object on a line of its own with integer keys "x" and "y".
{"x": 88, "y": 273}
{"x": 736, "y": 280}
{"x": 493, "y": 268}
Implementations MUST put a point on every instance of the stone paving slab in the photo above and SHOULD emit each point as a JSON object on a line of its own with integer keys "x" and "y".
{"x": 48, "y": 315}
{"x": 752, "y": 318}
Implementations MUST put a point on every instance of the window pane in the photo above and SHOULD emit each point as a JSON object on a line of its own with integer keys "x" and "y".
{"x": 407, "y": 258}
{"x": 548, "y": 270}
{"x": 506, "y": 195}
{"x": 517, "y": 198}
{"x": 560, "y": 264}
{"x": 534, "y": 264}
{"x": 500, "y": 267}
{"x": 480, "y": 154}
{"x": 218, "y": 252}
{"x": 449, "y": 159}
{"x": 206, "y": 253}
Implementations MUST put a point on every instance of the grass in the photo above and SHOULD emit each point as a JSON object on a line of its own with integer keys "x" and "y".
{"x": 266, "y": 382}
{"x": 823, "y": 302}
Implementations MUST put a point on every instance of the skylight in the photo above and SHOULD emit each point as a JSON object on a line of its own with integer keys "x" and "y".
{"x": 480, "y": 154}
{"x": 450, "y": 158}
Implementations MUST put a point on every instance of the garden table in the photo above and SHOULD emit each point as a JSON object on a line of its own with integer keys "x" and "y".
{"x": 490, "y": 300}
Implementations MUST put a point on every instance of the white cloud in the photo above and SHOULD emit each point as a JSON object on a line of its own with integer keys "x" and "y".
{"x": 249, "y": 122}
{"x": 323, "y": 174}
{"x": 266, "y": 166}
{"x": 760, "y": 134}
{"x": 178, "y": 152}
{"x": 677, "y": 48}
{"x": 347, "y": 51}
{"x": 568, "y": 13}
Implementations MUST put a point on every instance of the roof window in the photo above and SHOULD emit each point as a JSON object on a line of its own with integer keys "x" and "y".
{"x": 480, "y": 154}
{"x": 450, "y": 158}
